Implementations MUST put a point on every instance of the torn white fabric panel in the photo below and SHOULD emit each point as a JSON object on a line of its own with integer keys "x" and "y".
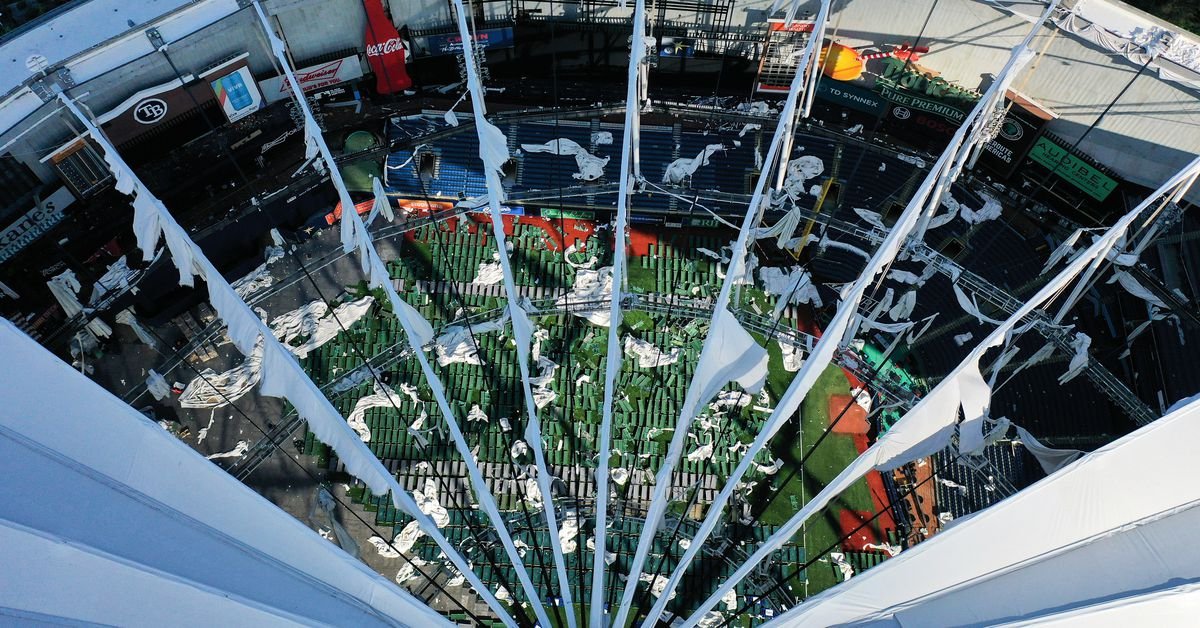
{"x": 967, "y": 303}
{"x": 215, "y": 390}
{"x": 1020, "y": 567}
{"x": 84, "y": 571}
{"x": 1049, "y": 458}
{"x": 1063, "y": 250}
{"x": 343, "y": 316}
{"x": 613, "y": 359}
{"x": 382, "y": 206}
{"x": 681, "y": 170}
{"x": 648, "y": 355}
{"x": 126, "y": 317}
{"x": 591, "y": 286}
{"x": 590, "y": 166}
{"x": 489, "y": 274}
{"x": 1135, "y": 288}
{"x": 383, "y": 397}
{"x": 65, "y": 288}
{"x": 157, "y": 385}
{"x": 1079, "y": 359}
{"x": 115, "y": 279}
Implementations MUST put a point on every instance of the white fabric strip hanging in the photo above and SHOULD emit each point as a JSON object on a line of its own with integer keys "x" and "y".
{"x": 354, "y": 235}
{"x": 928, "y": 426}
{"x": 493, "y": 151}
{"x": 614, "y": 357}
{"x": 207, "y": 546}
{"x": 282, "y": 374}
{"x": 1040, "y": 551}
{"x": 725, "y": 356}
{"x": 923, "y": 204}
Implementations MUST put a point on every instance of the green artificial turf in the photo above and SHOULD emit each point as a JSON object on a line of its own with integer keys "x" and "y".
{"x": 833, "y": 455}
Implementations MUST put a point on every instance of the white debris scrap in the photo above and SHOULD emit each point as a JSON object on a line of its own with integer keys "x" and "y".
{"x": 427, "y": 502}
{"x": 568, "y": 531}
{"x": 591, "y": 285}
{"x": 839, "y": 560}
{"x": 658, "y": 584}
{"x": 590, "y": 166}
{"x": 620, "y": 475}
{"x": 382, "y": 397}
{"x": 682, "y": 169}
{"x": 793, "y": 357}
{"x": 214, "y": 390}
{"x": 796, "y": 283}
{"x": 648, "y": 355}
{"x": 704, "y": 452}
{"x": 238, "y": 451}
{"x": 157, "y": 385}
{"x": 385, "y": 550}
{"x": 490, "y": 273}
{"x": 477, "y": 414}
{"x": 602, "y": 137}
{"x": 115, "y": 279}
{"x": 408, "y": 537}
{"x": 799, "y": 170}
{"x": 456, "y": 344}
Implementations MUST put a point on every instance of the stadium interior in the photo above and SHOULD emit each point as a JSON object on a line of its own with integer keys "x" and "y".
{"x": 573, "y": 312}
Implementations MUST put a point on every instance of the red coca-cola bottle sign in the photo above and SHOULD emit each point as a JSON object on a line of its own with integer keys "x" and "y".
{"x": 385, "y": 51}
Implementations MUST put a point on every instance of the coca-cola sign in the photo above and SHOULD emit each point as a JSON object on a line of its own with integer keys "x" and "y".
{"x": 387, "y": 47}
{"x": 385, "y": 50}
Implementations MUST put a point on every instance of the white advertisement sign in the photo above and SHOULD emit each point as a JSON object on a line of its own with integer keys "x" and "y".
{"x": 315, "y": 77}
{"x": 238, "y": 94}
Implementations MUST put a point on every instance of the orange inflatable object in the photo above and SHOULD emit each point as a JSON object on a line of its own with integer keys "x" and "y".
{"x": 363, "y": 208}
{"x": 841, "y": 63}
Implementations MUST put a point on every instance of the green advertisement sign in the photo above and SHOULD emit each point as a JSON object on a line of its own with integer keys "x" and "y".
{"x": 851, "y": 97}
{"x": 906, "y": 99}
{"x": 569, "y": 214}
{"x": 1072, "y": 169}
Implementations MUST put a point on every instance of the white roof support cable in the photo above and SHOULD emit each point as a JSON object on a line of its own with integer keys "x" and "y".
{"x": 928, "y": 426}
{"x": 1017, "y": 60}
{"x": 923, "y": 203}
{"x": 809, "y": 61}
{"x": 416, "y": 328}
{"x": 282, "y": 374}
{"x": 493, "y": 151}
{"x": 1004, "y": 564}
{"x": 699, "y": 391}
{"x": 614, "y": 357}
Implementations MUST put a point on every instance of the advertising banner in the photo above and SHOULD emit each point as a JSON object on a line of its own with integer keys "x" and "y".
{"x": 34, "y": 223}
{"x": 238, "y": 94}
{"x": 570, "y": 214}
{"x": 1012, "y": 143}
{"x": 386, "y": 52}
{"x": 1072, "y": 169}
{"x": 152, "y": 107}
{"x": 435, "y": 45}
{"x": 852, "y": 97}
{"x": 314, "y": 78}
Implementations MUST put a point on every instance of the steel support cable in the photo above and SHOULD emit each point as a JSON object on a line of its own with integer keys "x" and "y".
{"x": 663, "y": 483}
{"x": 652, "y": 615}
{"x": 387, "y": 538}
{"x": 883, "y": 257}
{"x": 924, "y": 432}
{"x": 833, "y": 546}
{"x": 353, "y": 233}
{"x": 446, "y": 485}
{"x": 566, "y": 296}
{"x": 491, "y": 143}
{"x": 456, "y": 295}
{"x": 153, "y": 220}
{"x": 614, "y": 356}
